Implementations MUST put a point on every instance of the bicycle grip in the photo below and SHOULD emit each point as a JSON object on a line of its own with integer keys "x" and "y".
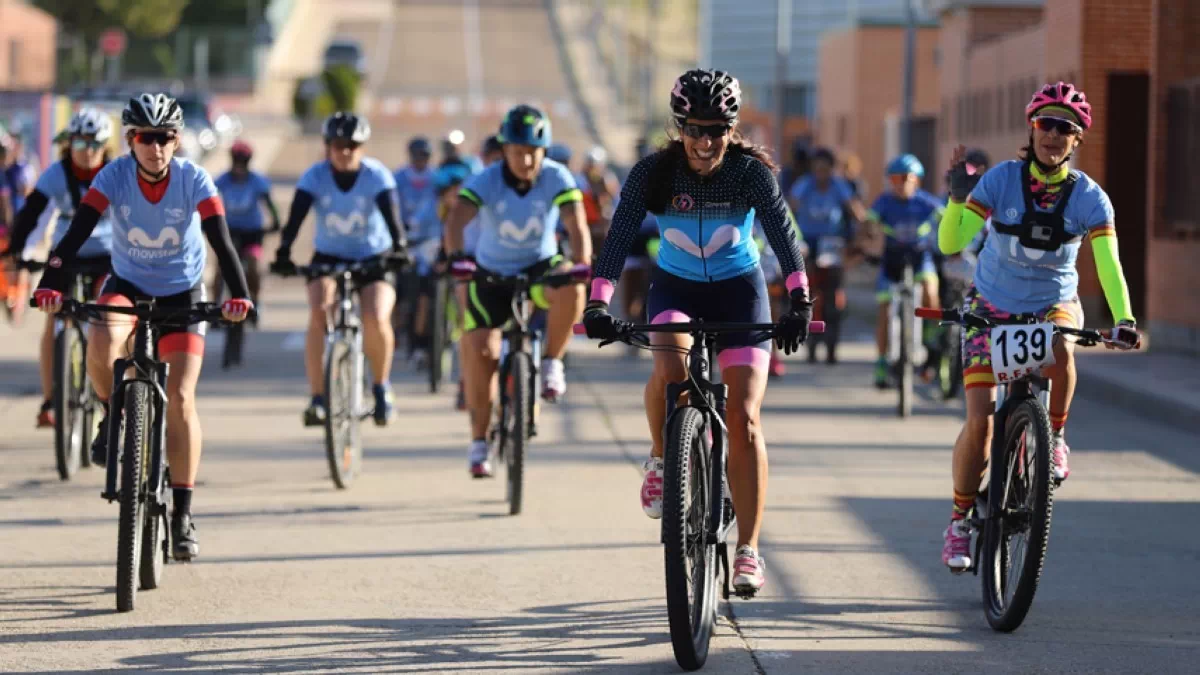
{"x": 815, "y": 327}
{"x": 579, "y": 329}
{"x": 463, "y": 270}
{"x": 930, "y": 313}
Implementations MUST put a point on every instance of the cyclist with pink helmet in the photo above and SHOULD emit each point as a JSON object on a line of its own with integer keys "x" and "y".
{"x": 1041, "y": 211}
{"x": 245, "y": 192}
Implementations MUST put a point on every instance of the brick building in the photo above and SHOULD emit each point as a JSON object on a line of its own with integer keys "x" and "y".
{"x": 1132, "y": 58}
{"x": 28, "y": 39}
{"x": 861, "y": 78}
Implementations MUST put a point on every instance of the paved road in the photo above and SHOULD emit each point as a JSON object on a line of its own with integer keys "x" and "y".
{"x": 416, "y": 569}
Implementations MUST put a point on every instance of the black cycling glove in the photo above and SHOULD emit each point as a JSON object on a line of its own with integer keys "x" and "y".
{"x": 793, "y": 326}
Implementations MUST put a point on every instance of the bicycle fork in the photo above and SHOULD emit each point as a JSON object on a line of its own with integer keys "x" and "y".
{"x": 156, "y": 378}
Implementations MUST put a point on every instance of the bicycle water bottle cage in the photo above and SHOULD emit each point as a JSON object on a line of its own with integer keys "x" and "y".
{"x": 1039, "y": 230}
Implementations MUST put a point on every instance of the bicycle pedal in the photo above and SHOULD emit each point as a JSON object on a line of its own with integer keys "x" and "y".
{"x": 745, "y": 593}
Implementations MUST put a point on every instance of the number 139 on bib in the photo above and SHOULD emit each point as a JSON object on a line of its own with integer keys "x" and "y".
{"x": 1020, "y": 350}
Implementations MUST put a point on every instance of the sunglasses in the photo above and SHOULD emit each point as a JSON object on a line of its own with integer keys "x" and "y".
{"x": 1063, "y": 127}
{"x": 342, "y": 144}
{"x": 80, "y": 144}
{"x": 701, "y": 130}
{"x": 155, "y": 137}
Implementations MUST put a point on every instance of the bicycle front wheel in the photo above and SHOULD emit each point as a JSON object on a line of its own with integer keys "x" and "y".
{"x": 904, "y": 380}
{"x": 690, "y": 561}
{"x": 1016, "y": 535}
{"x": 439, "y": 335}
{"x": 135, "y": 443}
{"x": 235, "y": 338}
{"x": 343, "y": 444}
{"x": 516, "y": 429}
{"x": 70, "y": 381}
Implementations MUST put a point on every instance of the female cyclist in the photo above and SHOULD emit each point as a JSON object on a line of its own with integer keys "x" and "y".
{"x": 520, "y": 202}
{"x": 357, "y": 220}
{"x": 825, "y": 207}
{"x": 1041, "y": 211}
{"x": 242, "y": 192}
{"x": 161, "y": 205}
{"x": 709, "y": 174}
{"x": 63, "y": 185}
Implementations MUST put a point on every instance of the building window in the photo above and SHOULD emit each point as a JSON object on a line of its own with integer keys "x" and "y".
{"x": 1183, "y": 161}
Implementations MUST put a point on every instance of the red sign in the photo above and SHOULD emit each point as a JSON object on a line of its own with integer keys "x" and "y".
{"x": 112, "y": 42}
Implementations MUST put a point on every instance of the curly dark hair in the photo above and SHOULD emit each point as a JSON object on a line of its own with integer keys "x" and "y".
{"x": 670, "y": 156}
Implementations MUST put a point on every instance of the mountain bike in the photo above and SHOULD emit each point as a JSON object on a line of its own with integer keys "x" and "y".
{"x": 516, "y": 411}
{"x": 1012, "y": 513}
{"x": 698, "y": 510}
{"x": 136, "y": 472}
{"x": 346, "y": 383}
{"x": 75, "y": 402}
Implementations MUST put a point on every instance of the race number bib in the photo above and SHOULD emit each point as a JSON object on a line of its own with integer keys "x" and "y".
{"x": 829, "y": 251}
{"x": 1020, "y": 350}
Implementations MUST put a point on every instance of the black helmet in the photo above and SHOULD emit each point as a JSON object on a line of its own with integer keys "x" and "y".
{"x": 420, "y": 146}
{"x": 706, "y": 95}
{"x": 825, "y": 154}
{"x": 978, "y": 158}
{"x": 526, "y": 125}
{"x": 491, "y": 144}
{"x": 152, "y": 111}
{"x": 347, "y": 125}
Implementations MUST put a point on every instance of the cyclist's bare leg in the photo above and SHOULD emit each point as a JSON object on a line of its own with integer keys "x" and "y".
{"x": 421, "y": 316}
{"x": 929, "y": 293}
{"x": 183, "y": 424}
{"x": 975, "y": 440}
{"x": 107, "y": 342}
{"x": 668, "y": 367}
{"x": 320, "y": 303}
{"x": 882, "y": 320}
{"x": 480, "y": 356}
{"x": 1062, "y": 379}
{"x": 633, "y": 292}
{"x": 46, "y": 358}
{"x": 566, "y": 307}
{"x": 378, "y": 299}
{"x": 747, "y": 449}
{"x": 252, "y": 263}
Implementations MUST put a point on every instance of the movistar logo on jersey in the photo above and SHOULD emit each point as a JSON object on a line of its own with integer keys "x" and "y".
{"x": 347, "y": 225}
{"x": 511, "y": 232}
{"x": 725, "y": 234}
{"x": 165, "y": 245}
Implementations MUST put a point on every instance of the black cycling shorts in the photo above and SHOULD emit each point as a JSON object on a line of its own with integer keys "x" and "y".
{"x": 171, "y": 337}
{"x": 740, "y": 299}
{"x": 361, "y": 279}
{"x": 490, "y": 305}
{"x": 246, "y": 242}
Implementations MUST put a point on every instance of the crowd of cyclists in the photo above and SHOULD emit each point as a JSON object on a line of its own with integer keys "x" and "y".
{"x": 703, "y": 228}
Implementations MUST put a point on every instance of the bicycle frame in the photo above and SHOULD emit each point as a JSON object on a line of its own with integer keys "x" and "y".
{"x": 517, "y": 337}
{"x": 146, "y": 367}
{"x": 347, "y": 325}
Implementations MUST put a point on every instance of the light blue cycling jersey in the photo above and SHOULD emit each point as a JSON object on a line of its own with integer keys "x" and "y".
{"x": 1018, "y": 279}
{"x": 416, "y": 190}
{"x": 820, "y": 212}
{"x": 349, "y": 224}
{"x": 54, "y": 184}
{"x": 242, "y": 197}
{"x": 157, "y": 247}
{"x": 908, "y": 223}
{"x": 517, "y": 231}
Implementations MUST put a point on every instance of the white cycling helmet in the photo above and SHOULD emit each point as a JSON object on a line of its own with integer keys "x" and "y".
{"x": 597, "y": 155}
{"x": 88, "y": 121}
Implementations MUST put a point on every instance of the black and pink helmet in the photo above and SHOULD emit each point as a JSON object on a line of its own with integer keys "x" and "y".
{"x": 1063, "y": 95}
{"x": 706, "y": 95}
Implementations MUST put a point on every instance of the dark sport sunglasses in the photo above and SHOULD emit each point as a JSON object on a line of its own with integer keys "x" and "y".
{"x": 342, "y": 143}
{"x": 155, "y": 137}
{"x": 1063, "y": 127}
{"x": 80, "y": 144}
{"x": 701, "y": 130}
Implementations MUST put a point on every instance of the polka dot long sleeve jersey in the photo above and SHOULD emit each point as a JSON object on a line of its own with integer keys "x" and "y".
{"x": 706, "y": 223}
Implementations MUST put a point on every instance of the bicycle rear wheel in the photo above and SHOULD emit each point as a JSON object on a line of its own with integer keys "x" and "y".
{"x": 904, "y": 378}
{"x": 516, "y": 429}
{"x": 690, "y": 561}
{"x": 70, "y": 381}
{"x": 1017, "y": 534}
{"x": 235, "y": 337}
{"x": 135, "y": 442}
{"x": 343, "y": 443}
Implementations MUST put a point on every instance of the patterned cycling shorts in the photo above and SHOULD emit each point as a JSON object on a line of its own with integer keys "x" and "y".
{"x": 977, "y": 342}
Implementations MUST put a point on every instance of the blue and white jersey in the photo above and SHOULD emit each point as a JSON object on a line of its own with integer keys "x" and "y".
{"x": 241, "y": 197}
{"x": 908, "y": 223}
{"x": 516, "y": 231}
{"x": 156, "y": 246}
{"x": 57, "y": 188}
{"x": 820, "y": 213}
{"x": 1019, "y": 279}
{"x": 415, "y": 189}
{"x": 349, "y": 223}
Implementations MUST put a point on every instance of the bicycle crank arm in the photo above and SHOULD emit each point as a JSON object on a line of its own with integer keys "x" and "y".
{"x": 723, "y": 556}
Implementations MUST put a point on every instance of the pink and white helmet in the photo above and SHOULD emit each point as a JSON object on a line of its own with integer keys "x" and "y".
{"x": 1064, "y": 95}
{"x": 706, "y": 95}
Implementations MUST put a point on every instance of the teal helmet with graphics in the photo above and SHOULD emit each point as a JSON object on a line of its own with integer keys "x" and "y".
{"x": 526, "y": 125}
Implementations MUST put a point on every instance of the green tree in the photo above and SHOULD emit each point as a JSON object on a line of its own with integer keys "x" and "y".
{"x": 87, "y": 19}
{"x": 145, "y": 18}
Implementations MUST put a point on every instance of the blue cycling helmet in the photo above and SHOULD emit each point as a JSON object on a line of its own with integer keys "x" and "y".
{"x": 526, "y": 125}
{"x": 420, "y": 146}
{"x": 906, "y": 164}
{"x": 559, "y": 153}
{"x": 450, "y": 175}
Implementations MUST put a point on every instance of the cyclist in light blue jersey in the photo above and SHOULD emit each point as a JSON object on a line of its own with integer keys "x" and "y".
{"x": 357, "y": 220}
{"x": 162, "y": 210}
{"x": 520, "y": 202}
{"x": 425, "y": 240}
{"x": 415, "y": 182}
{"x": 62, "y": 186}
{"x": 244, "y": 193}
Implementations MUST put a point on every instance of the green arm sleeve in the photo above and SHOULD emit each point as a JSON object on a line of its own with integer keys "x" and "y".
{"x": 958, "y": 227}
{"x": 1112, "y": 278}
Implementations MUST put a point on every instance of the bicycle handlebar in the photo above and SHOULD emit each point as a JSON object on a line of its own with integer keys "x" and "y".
{"x": 465, "y": 270}
{"x": 716, "y": 328}
{"x": 1087, "y": 337}
{"x": 197, "y": 313}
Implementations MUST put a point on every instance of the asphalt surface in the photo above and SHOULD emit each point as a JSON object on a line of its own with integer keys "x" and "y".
{"x": 417, "y": 568}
